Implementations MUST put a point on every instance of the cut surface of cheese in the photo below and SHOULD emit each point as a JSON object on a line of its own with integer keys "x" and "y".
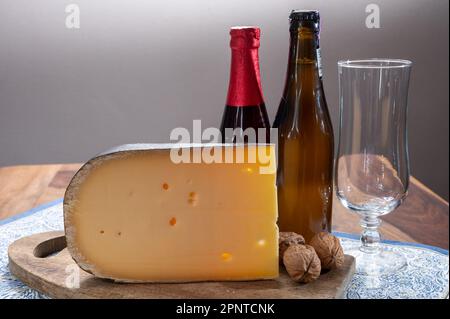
{"x": 133, "y": 215}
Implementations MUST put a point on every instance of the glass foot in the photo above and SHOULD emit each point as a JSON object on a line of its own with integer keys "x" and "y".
{"x": 377, "y": 264}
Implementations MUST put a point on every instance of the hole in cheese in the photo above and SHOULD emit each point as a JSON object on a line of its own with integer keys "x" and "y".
{"x": 193, "y": 202}
{"x": 193, "y": 195}
{"x": 165, "y": 186}
{"x": 226, "y": 257}
{"x": 193, "y": 198}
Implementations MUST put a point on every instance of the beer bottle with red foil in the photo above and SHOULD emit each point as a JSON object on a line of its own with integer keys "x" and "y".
{"x": 305, "y": 135}
{"x": 245, "y": 103}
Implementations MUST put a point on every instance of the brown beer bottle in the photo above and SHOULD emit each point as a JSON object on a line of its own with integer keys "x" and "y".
{"x": 245, "y": 106}
{"x": 305, "y": 135}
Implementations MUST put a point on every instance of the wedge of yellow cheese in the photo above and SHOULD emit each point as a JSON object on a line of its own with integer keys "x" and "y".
{"x": 135, "y": 215}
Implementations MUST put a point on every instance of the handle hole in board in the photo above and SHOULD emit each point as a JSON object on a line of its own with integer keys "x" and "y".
{"x": 50, "y": 247}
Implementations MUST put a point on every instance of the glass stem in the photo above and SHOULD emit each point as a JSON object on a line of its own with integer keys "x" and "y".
{"x": 370, "y": 237}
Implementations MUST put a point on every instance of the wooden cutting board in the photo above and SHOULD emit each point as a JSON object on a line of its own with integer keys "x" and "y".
{"x": 42, "y": 262}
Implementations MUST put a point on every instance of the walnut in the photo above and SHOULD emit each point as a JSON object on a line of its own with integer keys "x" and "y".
{"x": 329, "y": 250}
{"x": 302, "y": 263}
{"x": 287, "y": 239}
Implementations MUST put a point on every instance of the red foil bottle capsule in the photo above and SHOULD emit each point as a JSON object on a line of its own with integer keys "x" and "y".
{"x": 245, "y": 106}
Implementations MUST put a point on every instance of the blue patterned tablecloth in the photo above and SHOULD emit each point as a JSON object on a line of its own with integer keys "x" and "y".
{"x": 426, "y": 275}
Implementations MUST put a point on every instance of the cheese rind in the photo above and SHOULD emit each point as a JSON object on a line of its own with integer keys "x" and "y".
{"x": 133, "y": 215}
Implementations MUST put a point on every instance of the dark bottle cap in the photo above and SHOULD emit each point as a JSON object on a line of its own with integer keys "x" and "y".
{"x": 305, "y": 18}
{"x": 305, "y": 15}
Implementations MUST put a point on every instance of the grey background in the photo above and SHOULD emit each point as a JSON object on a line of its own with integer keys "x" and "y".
{"x": 137, "y": 69}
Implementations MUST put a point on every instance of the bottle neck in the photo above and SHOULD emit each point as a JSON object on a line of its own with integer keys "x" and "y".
{"x": 245, "y": 80}
{"x": 304, "y": 59}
